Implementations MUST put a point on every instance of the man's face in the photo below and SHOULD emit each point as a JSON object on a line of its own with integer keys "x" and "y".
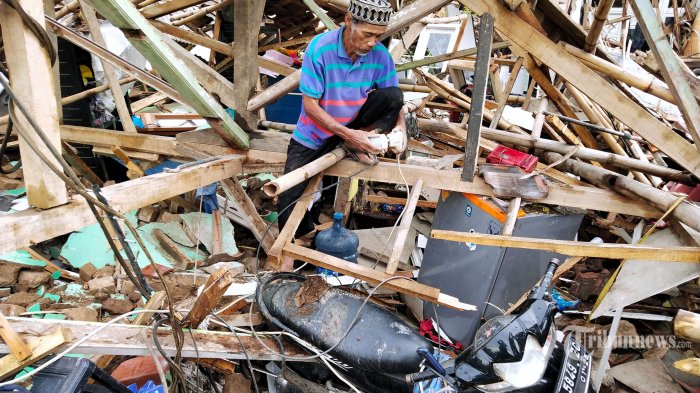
{"x": 363, "y": 36}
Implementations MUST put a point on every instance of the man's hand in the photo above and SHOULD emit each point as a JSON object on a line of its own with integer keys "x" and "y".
{"x": 359, "y": 140}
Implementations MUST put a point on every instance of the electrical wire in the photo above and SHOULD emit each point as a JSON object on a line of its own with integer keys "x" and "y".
{"x": 240, "y": 342}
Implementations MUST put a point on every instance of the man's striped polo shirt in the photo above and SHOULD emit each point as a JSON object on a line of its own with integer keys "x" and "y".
{"x": 342, "y": 86}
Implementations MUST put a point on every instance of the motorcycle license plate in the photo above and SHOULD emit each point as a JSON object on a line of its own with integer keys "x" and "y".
{"x": 576, "y": 369}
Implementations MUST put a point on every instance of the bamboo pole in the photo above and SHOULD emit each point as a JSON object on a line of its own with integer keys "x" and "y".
{"x": 686, "y": 212}
{"x": 600, "y": 119}
{"x": 291, "y": 179}
{"x": 202, "y": 12}
{"x": 585, "y": 153}
{"x": 646, "y": 83}
{"x": 455, "y": 96}
{"x": 692, "y": 46}
{"x": 599, "y": 18}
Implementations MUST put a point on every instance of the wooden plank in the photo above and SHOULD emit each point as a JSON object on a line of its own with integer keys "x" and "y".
{"x": 233, "y": 189}
{"x": 670, "y": 66}
{"x": 274, "y": 257}
{"x": 221, "y": 88}
{"x": 33, "y": 83}
{"x": 178, "y": 258}
{"x": 98, "y": 137}
{"x": 52, "y": 267}
{"x": 481, "y": 80}
{"x": 374, "y": 277}
{"x": 148, "y": 101}
{"x": 41, "y": 347}
{"x": 573, "y": 196}
{"x": 213, "y": 291}
{"x": 167, "y": 7}
{"x": 129, "y": 340}
{"x": 576, "y": 249}
{"x": 506, "y": 91}
{"x": 34, "y": 226}
{"x": 99, "y": 51}
{"x": 149, "y": 41}
{"x": 408, "y": 38}
{"x": 245, "y": 32}
{"x": 18, "y": 348}
{"x": 403, "y": 228}
{"x": 79, "y": 165}
{"x": 594, "y": 86}
{"x": 117, "y": 95}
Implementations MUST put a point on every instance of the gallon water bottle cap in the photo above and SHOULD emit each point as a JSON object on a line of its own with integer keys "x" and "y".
{"x": 337, "y": 216}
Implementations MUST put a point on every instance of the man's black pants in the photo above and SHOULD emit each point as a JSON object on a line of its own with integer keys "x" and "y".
{"x": 379, "y": 111}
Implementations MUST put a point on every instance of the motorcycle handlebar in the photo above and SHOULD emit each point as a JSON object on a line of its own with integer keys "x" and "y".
{"x": 419, "y": 377}
{"x": 546, "y": 280}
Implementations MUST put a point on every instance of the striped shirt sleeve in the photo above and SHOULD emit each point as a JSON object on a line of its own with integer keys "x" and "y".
{"x": 386, "y": 76}
{"x": 312, "y": 78}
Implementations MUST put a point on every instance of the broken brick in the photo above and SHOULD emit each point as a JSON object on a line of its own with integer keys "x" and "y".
{"x": 87, "y": 272}
{"x": 33, "y": 278}
{"x": 117, "y": 306}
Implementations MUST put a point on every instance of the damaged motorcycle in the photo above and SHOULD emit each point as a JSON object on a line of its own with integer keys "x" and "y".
{"x": 376, "y": 351}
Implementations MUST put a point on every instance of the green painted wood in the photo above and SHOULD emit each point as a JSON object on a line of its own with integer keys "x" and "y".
{"x": 149, "y": 41}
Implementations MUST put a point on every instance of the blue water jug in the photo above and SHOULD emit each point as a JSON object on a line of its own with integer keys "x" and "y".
{"x": 338, "y": 242}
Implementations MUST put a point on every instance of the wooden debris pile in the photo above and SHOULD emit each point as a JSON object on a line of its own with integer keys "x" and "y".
{"x": 174, "y": 116}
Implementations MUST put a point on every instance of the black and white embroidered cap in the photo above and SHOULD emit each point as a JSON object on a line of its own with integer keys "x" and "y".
{"x": 376, "y": 12}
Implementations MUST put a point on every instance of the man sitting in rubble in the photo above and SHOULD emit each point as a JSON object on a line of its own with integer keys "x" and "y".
{"x": 350, "y": 92}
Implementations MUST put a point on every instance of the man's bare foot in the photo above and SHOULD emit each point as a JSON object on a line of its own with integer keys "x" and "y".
{"x": 366, "y": 158}
{"x": 287, "y": 264}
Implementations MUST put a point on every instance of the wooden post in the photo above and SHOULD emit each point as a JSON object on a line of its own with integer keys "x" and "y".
{"x": 31, "y": 79}
{"x": 117, "y": 94}
{"x": 481, "y": 79}
{"x": 670, "y": 66}
{"x": 403, "y": 228}
{"x": 245, "y": 72}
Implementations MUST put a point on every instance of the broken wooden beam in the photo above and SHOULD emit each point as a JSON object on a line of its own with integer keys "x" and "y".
{"x": 234, "y": 191}
{"x": 34, "y": 226}
{"x": 212, "y": 292}
{"x": 569, "y": 195}
{"x": 41, "y": 347}
{"x": 129, "y": 340}
{"x": 576, "y": 249}
{"x": 374, "y": 277}
{"x": 18, "y": 348}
